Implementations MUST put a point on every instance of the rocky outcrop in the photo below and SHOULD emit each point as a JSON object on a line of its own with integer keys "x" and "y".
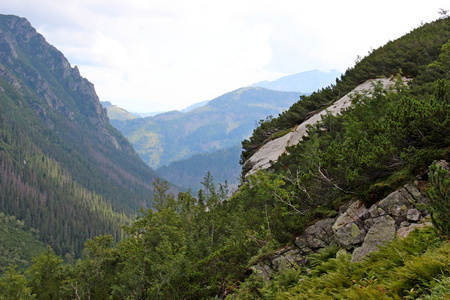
{"x": 356, "y": 229}
{"x": 263, "y": 158}
{"x": 383, "y": 230}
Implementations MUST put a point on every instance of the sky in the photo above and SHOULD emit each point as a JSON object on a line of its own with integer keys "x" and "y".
{"x": 160, "y": 55}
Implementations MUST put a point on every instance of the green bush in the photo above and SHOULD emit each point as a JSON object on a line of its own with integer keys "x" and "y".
{"x": 439, "y": 195}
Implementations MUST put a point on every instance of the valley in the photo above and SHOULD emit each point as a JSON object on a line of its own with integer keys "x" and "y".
{"x": 183, "y": 146}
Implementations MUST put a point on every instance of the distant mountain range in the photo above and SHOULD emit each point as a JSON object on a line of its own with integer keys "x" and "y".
{"x": 224, "y": 122}
{"x": 305, "y": 82}
{"x": 220, "y": 124}
{"x": 207, "y": 136}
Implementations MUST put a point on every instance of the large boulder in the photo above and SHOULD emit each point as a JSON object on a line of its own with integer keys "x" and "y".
{"x": 348, "y": 228}
{"x": 316, "y": 236}
{"x": 382, "y": 231}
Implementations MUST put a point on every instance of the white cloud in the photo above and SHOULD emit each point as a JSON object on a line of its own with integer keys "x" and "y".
{"x": 167, "y": 54}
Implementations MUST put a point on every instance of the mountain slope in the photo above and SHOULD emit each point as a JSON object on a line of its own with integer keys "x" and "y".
{"x": 64, "y": 170}
{"x": 189, "y": 173}
{"x": 410, "y": 56}
{"x": 220, "y": 124}
{"x": 270, "y": 151}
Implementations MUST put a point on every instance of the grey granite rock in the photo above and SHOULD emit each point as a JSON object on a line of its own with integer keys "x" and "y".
{"x": 381, "y": 232}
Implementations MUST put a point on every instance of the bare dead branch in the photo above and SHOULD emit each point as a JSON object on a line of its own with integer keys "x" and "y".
{"x": 288, "y": 204}
{"x": 332, "y": 183}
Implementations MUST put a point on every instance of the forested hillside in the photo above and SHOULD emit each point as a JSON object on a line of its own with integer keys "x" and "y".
{"x": 64, "y": 171}
{"x": 222, "y": 164}
{"x": 209, "y": 246}
{"x": 17, "y": 244}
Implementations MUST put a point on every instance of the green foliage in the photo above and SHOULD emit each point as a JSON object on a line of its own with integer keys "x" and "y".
{"x": 442, "y": 64}
{"x": 17, "y": 244}
{"x": 13, "y": 285}
{"x": 249, "y": 289}
{"x": 439, "y": 195}
{"x": 46, "y": 275}
{"x": 440, "y": 289}
{"x": 322, "y": 256}
{"x": 92, "y": 277}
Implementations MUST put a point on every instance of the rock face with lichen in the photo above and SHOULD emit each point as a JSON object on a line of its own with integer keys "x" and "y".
{"x": 357, "y": 229}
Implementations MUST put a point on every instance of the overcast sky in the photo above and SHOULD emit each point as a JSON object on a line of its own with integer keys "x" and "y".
{"x": 157, "y": 55}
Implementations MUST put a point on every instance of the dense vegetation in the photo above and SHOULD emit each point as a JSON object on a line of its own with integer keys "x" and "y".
{"x": 180, "y": 250}
{"x": 64, "y": 171}
{"x": 410, "y": 55}
{"x": 200, "y": 247}
{"x": 17, "y": 245}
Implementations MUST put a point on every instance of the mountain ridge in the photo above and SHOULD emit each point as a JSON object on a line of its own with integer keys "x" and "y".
{"x": 74, "y": 175}
{"x": 221, "y": 123}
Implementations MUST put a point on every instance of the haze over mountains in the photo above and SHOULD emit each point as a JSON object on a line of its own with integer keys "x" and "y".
{"x": 304, "y": 82}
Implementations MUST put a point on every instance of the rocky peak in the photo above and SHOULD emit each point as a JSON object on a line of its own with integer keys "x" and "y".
{"x": 31, "y": 65}
{"x": 44, "y": 63}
